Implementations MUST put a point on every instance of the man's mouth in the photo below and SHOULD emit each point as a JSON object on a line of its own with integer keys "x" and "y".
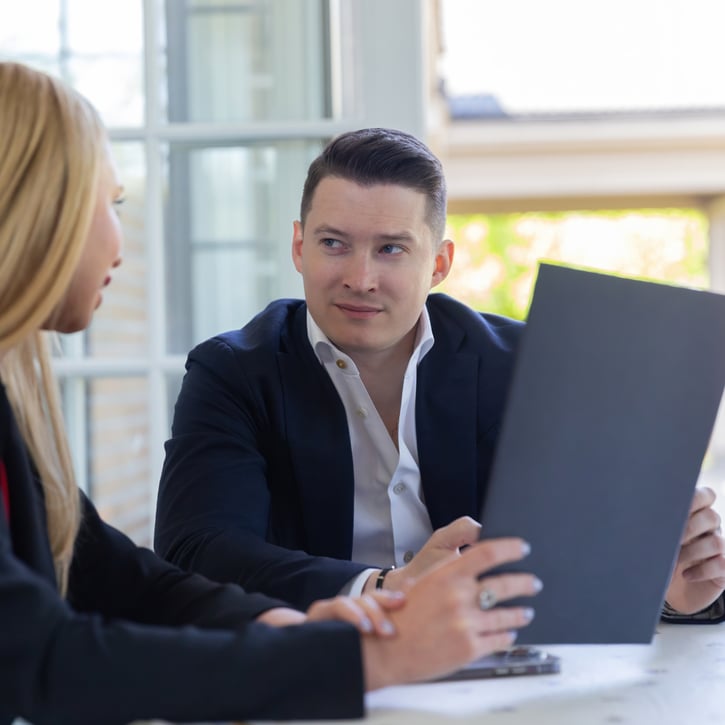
{"x": 358, "y": 311}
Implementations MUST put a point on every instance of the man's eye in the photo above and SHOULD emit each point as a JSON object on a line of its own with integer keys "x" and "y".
{"x": 332, "y": 243}
{"x": 391, "y": 249}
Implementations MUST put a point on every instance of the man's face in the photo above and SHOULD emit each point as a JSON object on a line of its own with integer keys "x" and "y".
{"x": 368, "y": 261}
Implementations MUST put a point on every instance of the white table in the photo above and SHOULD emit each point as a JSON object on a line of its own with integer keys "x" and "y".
{"x": 677, "y": 680}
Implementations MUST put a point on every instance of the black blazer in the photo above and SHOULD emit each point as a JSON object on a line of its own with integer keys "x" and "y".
{"x": 137, "y": 638}
{"x": 257, "y": 486}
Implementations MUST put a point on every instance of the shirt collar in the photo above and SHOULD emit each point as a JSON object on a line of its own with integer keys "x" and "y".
{"x": 324, "y": 348}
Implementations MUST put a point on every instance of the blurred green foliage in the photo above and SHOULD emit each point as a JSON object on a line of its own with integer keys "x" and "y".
{"x": 496, "y": 255}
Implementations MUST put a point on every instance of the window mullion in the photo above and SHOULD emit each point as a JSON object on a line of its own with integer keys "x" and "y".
{"x": 158, "y": 424}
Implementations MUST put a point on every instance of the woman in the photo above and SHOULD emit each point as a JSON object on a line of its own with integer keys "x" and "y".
{"x": 95, "y": 629}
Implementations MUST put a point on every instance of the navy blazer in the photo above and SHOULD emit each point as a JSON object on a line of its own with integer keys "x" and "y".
{"x": 116, "y": 649}
{"x": 257, "y": 486}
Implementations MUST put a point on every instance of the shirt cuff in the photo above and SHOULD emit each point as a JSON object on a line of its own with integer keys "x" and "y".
{"x": 355, "y": 586}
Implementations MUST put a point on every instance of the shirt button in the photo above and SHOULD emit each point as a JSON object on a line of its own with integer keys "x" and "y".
{"x": 362, "y": 412}
{"x": 341, "y": 364}
{"x": 408, "y": 556}
{"x": 399, "y": 488}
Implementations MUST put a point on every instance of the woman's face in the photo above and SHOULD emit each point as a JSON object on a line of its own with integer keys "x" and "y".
{"x": 101, "y": 253}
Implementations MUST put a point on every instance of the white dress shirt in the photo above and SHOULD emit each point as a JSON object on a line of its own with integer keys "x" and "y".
{"x": 390, "y": 522}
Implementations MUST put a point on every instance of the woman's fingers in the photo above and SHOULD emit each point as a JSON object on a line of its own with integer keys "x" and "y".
{"x": 366, "y": 613}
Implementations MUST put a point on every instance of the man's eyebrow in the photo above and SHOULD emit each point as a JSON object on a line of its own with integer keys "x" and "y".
{"x": 331, "y": 231}
{"x": 395, "y": 237}
{"x": 384, "y": 237}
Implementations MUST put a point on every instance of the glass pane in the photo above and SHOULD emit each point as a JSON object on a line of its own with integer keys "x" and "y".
{"x": 496, "y": 261}
{"x": 112, "y": 84}
{"x": 105, "y": 27}
{"x": 230, "y": 60}
{"x": 497, "y": 255}
{"x": 228, "y": 223}
{"x": 107, "y": 422}
{"x": 29, "y": 28}
{"x": 563, "y": 56}
{"x": 95, "y": 45}
{"x": 173, "y": 387}
{"x": 105, "y": 48}
{"x": 120, "y": 325}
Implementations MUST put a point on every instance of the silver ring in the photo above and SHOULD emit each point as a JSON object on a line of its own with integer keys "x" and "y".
{"x": 486, "y": 599}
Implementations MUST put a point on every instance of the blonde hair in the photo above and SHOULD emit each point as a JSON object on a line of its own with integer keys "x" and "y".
{"x": 51, "y": 152}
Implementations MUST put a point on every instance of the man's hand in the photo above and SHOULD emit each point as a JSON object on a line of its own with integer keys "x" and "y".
{"x": 442, "y": 626}
{"x": 699, "y": 576}
{"x": 443, "y": 545}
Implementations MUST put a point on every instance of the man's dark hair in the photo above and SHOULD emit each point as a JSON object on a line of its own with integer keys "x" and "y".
{"x": 382, "y": 156}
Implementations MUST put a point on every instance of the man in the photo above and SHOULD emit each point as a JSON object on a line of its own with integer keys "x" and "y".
{"x": 343, "y": 443}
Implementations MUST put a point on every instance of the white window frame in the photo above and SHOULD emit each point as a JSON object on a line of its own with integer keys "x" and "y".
{"x": 366, "y": 45}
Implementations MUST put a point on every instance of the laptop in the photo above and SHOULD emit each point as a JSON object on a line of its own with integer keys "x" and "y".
{"x": 616, "y": 388}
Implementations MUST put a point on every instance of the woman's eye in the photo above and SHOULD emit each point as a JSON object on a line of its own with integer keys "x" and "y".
{"x": 117, "y": 205}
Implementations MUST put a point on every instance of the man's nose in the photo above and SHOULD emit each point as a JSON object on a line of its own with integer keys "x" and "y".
{"x": 360, "y": 274}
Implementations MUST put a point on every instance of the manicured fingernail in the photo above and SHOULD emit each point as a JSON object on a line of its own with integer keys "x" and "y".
{"x": 528, "y": 614}
{"x": 513, "y": 634}
{"x": 366, "y": 625}
{"x": 525, "y": 548}
{"x": 537, "y": 584}
{"x": 387, "y": 628}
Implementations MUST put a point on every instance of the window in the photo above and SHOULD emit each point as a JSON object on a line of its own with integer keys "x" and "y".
{"x": 215, "y": 109}
{"x": 567, "y": 115}
{"x": 523, "y": 57}
{"x": 210, "y": 195}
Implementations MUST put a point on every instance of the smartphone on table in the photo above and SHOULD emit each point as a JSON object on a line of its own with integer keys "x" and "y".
{"x": 523, "y": 660}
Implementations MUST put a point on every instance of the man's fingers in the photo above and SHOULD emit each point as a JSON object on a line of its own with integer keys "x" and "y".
{"x": 461, "y": 532}
{"x": 707, "y": 570}
{"x": 704, "y": 497}
{"x": 703, "y": 521}
{"x": 700, "y": 549}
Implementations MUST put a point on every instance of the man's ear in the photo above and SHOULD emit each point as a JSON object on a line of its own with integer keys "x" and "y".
{"x": 443, "y": 262}
{"x": 297, "y": 245}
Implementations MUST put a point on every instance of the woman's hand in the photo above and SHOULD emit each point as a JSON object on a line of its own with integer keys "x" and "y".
{"x": 368, "y": 613}
{"x": 451, "y": 617}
